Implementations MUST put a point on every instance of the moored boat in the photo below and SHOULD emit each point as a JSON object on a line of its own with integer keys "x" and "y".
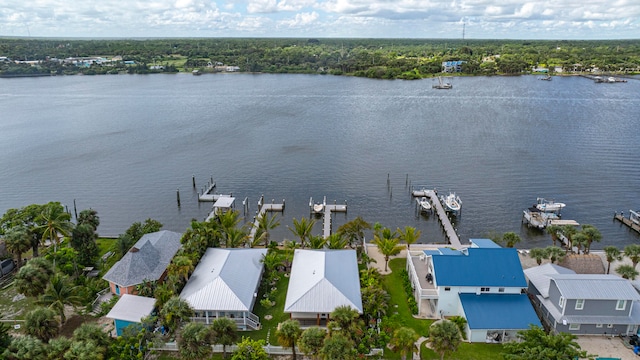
{"x": 424, "y": 204}
{"x": 549, "y": 206}
{"x": 451, "y": 203}
{"x": 634, "y": 216}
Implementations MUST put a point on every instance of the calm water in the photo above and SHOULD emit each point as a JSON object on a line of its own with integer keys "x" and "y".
{"x": 123, "y": 145}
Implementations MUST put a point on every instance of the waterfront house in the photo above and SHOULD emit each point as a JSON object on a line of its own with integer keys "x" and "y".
{"x": 225, "y": 284}
{"x": 130, "y": 310}
{"x": 146, "y": 260}
{"x": 484, "y": 283}
{"x": 584, "y": 304}
{"x": 452, "y": 66}
{"x": 321, "y": 281}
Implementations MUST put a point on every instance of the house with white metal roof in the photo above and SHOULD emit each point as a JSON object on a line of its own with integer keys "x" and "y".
{"x": 130, "y": 310}
{"x": 321, "y": 281}
{"x": 148, "y": 259}
{"x": 585, "y": 304}
{"x": 225, "y": 284}
{"x": 483, "y": 283}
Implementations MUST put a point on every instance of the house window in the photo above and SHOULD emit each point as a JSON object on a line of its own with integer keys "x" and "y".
{"x": 579, "y": 304}
{"x": 621, "y": 304}
{"x": 501, "y": 290}
{"x": 609, "y": 326}
{"x": 574, "y": 326}
{"x": 485, "y": 289}
{"x": 561, "y": 302}
{"x": 598, "y": 326}
{"x": 447, "y": 289}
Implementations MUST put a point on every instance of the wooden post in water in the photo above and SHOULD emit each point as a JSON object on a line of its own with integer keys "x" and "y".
{"x": 193, "y": 181}
{"x": 178, "y": 196}
{"x": 406, "y": 180}
{"x": 75, "y": 209}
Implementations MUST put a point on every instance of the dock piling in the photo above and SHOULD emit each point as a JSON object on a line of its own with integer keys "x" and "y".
{"x": 178, "y": 196}
{"x": 193, "y": 181}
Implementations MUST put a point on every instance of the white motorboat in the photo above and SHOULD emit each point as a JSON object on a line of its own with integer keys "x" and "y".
{"x": 451, "y": 203}
{"x": 549, "y": 206}
{"x": 424, "y": 204}
{"x": 634, "y": 216}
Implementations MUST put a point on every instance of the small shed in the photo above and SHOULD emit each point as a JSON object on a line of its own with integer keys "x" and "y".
{"x": 130, "y": 309}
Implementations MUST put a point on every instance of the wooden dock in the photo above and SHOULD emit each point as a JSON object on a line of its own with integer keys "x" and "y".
{"x": 262, "y": 210}
{"x": 208, "y": 195}
{"x": 627, "y": 221}
{"x": 449, "y": 231}
{"x": 327, "y": 209}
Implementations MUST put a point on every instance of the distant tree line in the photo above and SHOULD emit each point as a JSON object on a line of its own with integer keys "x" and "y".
{"x": 374, "y": 58}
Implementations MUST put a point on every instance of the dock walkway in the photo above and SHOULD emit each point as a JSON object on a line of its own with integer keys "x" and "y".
{"x": 327, "y": 209}
{"x": 449, "y": 231}
{"x": 627, "y": 221}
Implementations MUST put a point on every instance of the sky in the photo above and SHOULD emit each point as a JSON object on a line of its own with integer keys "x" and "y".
{"x": 477, "y": 19}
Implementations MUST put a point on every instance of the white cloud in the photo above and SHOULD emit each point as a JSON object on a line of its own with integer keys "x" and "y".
{"x": 300, "y": 20}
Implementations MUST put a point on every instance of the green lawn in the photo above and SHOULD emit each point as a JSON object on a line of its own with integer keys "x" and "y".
{"x": 277, "y": 312}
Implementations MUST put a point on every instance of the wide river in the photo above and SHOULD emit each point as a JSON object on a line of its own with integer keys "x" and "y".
{"x": 124, "y": 145}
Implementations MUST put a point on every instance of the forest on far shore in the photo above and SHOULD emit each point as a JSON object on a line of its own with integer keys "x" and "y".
{"x": 373, "y": 58}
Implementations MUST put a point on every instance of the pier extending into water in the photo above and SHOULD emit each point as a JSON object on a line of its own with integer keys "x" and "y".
{"x": 627, "y": 221}
{"x": 449, "y": 231}
{"x": 326, "y": 210}
{"x": 262, "y": 210}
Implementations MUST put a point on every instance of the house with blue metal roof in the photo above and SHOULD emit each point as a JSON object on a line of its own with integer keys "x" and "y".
{"x": 483, "y": 283}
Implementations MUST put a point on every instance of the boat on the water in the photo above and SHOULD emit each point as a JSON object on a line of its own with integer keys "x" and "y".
{"x": 634, "y": 216}
{"x": 442, "y": 84}
{"x": 547, "y": 78}
{"x": 451, "y": 203}
{"x": 424, "y": 204}
{"x": 549, "y": 206}
{"x": 535, "y": 218}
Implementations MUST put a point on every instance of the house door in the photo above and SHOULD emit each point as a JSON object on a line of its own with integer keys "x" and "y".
{"x": 117, "y": 290}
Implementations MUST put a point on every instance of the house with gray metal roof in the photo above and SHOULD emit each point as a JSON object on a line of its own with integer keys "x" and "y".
{"x": 225, "y": 284}
{"x": 148, "y": 259}
{"x": 321, "y": 281}
{"x": 484, "y": 283}
{"x": 587, "y": 304}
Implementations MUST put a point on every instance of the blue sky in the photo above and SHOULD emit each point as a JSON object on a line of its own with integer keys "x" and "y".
{"x": 483, "y": 19}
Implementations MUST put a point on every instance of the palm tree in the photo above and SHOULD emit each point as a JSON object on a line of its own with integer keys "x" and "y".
{"x": 265, "y": 223}
{"x": 336, "y": 241}
{"x": 387, "y": 243}
{"x": 312, "y": 340}
{"x": 580, "y": 241}
{"x": 568, "y": 231}
{"x": 229, "y": 219}
{"x": 288, "y": 334}
{"x": 613, "y": 254}
{"x": 410, "y": 235}
{"x": 89, "y": 217}
{"x": 271, "y": 261}
{"x": 444, "y": 337}
{"x": 555, "y": 253}
{"x": 302, "y": 229}
{"x": 174, "y": 312}
{"x": 195, "y": 341}
{"x": 32, "y": 279}
{"x": 343, "y": 320}
{"x": 55, "y": 222}
{"x": 41, "y": 323}
{"x": 354, "y": 231}
{"x": 60, "y": 292}
{"x": 146, "y": 288}
{"x": 18, "y": 241}
{"x": 404, "y": 340}
{"x": 510, "y": 239}
{"x": 633, "y": 253}
{"x": 235, "y": 237}
{"x": 627, "y": 271}
{"x": 224, "y": 332}
{"x": 181, "y": 266}
{"x": 553, "y": 230}
{"x": 317, "y": 242}
{"x": 593, "y": 235}
{"x": 538, "y": 254}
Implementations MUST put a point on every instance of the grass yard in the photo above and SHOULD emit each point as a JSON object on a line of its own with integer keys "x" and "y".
{"x": 14, "y": 306}
{"x": 277, "y": 313}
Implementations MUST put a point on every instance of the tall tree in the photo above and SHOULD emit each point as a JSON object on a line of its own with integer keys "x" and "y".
{"x": 235, "y": 237}
{"x": 249, "y": 349}
{"x": 336, "y": 241}
{"x": 27, "y": 217}
{"x": 56, "y": 222}
{"x": 539, "y": 254}
{"x": 444, "y": 337}
{"x": 60, "y": 292}
{"x": 535, "y": 343}
{"x": 317, "y": 242}
{"x": 613, "y": 254}
{"x": 580, "y": 241}
{"x": 83, "y": 240}
{"x": 174, "y": 312}
{"x": 181, "y": 266}
{"x": 404, "y": 340}
{"x": 632, "y": 251}
{"x": 627, "y": 271}
{"x": 311, "y": 341}
{"x": 409, "y": 235}
{"x": 266, "y": 223}
{"x": 41, "y": 323}
{"x": 510, "y": 239}
{"x": 387, "y": 243}
{"x": 195, "y": 341}
{"x": 555, "y": 253}
{"x": 338, "y": 347}
{"x": 225, "y": 332}
{"x": 302, "y": 229}
{"x": 288, "y": 334}
{"x": 18, "y": 242}
{"x": 553, "y": 230}
{"x": 568, "y": 231}
{"x": 89, "y": 217}
{"x": 25, "y": 347}
{"x": 592, "y": 234}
